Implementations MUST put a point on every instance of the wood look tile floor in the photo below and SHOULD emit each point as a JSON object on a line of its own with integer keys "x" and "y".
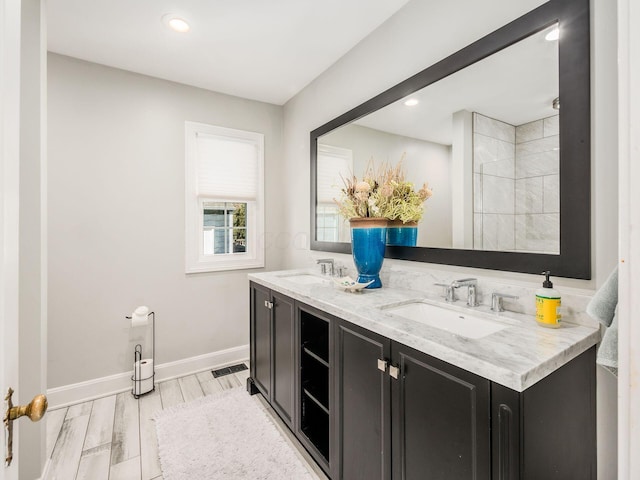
{"x": 114, "y": 438}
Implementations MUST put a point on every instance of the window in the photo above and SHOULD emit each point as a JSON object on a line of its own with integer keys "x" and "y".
{"x": 334, "y": 165}
{"x": 224, "y": 198}
{"x": 225, "y": 228}
{"x": 328, "y": 223}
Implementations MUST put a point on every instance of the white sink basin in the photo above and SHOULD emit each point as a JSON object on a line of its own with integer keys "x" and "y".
{"x": 305, "y": 279}
{"x": 458, "y": 323}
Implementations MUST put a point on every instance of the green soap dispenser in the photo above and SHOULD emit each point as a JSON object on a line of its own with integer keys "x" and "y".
{"x": 548, "y": 304}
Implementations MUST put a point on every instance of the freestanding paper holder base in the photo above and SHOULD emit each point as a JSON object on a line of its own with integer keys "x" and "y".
{"x": 137, "y": 379}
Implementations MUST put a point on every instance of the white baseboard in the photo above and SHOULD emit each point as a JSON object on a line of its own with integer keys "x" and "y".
{"x": 66, "y": 395}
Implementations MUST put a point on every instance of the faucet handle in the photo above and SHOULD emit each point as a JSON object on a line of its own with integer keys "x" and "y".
{"x": 323, "y": 265}
{"x": 472, "y": 295}
{"x": 496, "y": 301}
{"x": 464, "y": 282}
{"x": 325, "y": 260}
{"x": 450, "y": 293}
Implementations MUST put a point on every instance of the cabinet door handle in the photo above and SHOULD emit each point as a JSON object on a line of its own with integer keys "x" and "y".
{"x": 394, "y": 371}
{"x": 268, "y": 304}
{"x": 382, "y": 365}
{"x": 504, "y": 441}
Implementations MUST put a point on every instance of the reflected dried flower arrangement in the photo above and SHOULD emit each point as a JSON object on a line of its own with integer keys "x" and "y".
{"x": 360, "y": 198}
{"x": 383, "y": 193}
{"x": 399, "y": 199}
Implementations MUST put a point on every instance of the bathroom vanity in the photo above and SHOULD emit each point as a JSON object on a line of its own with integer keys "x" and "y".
{"x": 372, "y": 394}
{"x": 396, "y": 384}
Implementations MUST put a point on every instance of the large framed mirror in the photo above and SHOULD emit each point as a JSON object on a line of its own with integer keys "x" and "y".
{"x": 509, "y": 169}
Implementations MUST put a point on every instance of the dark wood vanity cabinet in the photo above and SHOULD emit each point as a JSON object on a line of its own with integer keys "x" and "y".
{"x": 402, "y": 414}
{"x": 290, "y": 345}
{"x": 367, "y": 407}
{"x": 260, "y": 341}
{"x": 363, "y": 404}
{"x": 549, "y": 430}
{"x": 273, "y": 350}
{"x": 405, "y": 415}
{"x": 440, "y": 419}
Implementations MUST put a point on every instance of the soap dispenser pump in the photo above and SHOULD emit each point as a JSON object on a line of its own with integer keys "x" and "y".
{"x": 548, "y": 304}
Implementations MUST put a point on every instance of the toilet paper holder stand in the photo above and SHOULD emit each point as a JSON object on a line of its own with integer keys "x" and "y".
{"x": 137, "y": 379}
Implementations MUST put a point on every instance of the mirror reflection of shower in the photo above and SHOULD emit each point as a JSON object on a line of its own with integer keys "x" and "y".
{"x": 516, "y": 185}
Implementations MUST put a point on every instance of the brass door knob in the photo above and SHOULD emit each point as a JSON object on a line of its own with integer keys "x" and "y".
{"x": 35, "y": 409}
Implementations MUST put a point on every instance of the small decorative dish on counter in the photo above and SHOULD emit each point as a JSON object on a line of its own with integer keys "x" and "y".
{"x": 349, "y": 284}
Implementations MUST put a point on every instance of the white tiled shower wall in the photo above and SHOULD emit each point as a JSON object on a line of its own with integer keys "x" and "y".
{"x": 516, "y": 185}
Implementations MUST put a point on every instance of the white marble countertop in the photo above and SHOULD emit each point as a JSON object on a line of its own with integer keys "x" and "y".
{"x": 517, "y": 356}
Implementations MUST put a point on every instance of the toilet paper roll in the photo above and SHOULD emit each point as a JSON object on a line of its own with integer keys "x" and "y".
{"x": 143, "y": 376}
{"x": 140, "y": 316}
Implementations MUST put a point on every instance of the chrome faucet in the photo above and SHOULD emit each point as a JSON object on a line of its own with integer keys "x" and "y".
{"x": 323, "y": 262}
{"x": 450, "y": 290}
{"x": 450, "y": 293}
{"x": 496, "y": 301}
{"x": 471, "y": 284}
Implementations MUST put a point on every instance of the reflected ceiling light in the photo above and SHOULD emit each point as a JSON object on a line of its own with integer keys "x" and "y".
{"x": 552, "y": 35}
{"x": 412, "y": 102}
{"x": 176, "y": 23}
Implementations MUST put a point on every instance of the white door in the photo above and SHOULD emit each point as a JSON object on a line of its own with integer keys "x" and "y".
{"x": 10, "y": 19}
{"x": 9, "y": 180}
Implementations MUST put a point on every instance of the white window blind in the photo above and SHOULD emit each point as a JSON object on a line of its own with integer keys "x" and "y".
{"x": 224, "y": 198}
{"x": 333, "y": 165}
{"x": 227, "y": 167}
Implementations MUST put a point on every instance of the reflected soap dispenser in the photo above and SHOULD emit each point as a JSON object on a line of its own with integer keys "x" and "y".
{"x": 548, "y": 304}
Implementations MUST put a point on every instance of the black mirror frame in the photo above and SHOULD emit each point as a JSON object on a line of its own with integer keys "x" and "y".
{"x": 574, "y": 260}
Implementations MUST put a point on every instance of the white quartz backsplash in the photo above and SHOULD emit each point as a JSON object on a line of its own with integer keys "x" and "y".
{"x": 574, "y": 301}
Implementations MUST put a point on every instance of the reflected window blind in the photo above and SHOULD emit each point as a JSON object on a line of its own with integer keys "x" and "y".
{"x": 227, "y": 167}
{"x": 333, "y": 165}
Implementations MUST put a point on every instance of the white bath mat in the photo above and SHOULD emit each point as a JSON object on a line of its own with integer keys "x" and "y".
{"x": 224, "y": 436}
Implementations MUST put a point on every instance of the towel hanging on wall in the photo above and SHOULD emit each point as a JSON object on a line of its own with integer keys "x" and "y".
{"x": 604, "y": 308}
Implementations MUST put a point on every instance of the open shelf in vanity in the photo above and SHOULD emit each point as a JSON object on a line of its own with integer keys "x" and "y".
{"x": 314, "y": 381}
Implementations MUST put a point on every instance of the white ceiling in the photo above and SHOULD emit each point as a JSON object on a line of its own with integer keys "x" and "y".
{"x": 516, "y": 85}
{"x": 265, "y": 50}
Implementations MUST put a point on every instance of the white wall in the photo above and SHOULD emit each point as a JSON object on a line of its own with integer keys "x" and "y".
{"x": 417, "y": 36}
{"x": 116, "y": 219}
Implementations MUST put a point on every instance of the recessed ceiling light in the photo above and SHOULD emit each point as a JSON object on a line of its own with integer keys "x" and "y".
{"x": 553, "y": 35}
{"x": 176, "y": 23}
{"x": 412, "y": 102}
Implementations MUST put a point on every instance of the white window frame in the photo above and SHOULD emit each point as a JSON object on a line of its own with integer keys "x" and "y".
{"x": 346, "y": 155}
{"x": 196, "y": 261}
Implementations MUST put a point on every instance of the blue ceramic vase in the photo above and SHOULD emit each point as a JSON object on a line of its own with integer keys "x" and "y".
{"x": 402, "y": 234}
{"x": 368, "y": 240}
